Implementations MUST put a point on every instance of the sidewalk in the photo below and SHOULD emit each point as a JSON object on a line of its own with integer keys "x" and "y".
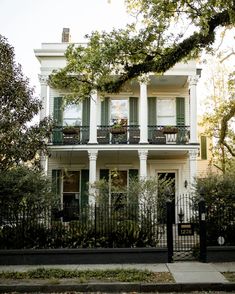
{"x": 189, "y": 276}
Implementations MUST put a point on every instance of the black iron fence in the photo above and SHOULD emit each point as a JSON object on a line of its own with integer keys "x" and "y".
{"x": 221, "y": 224}
{"x": 94, "y": 226}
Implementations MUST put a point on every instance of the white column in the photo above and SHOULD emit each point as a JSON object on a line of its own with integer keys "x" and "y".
{"x": 143, "y": 114}
{"x": 192, "y": 166}
{"x": 143, "y": 154}
{"x": 92, "y": 174}
{"x": 44, "y": 163}
{"x": 193, "y": 109}
{"x": 93, "y": 118}
{"x": 43, "y": 81}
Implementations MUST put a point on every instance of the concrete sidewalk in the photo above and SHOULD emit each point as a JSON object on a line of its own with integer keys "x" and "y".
{"x": 188, "y": 276}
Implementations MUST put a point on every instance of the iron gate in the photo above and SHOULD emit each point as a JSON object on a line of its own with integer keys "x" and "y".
{"x": 186, "y": 229}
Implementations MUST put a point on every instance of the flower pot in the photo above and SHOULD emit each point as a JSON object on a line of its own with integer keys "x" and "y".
{"x": 170, "y": 131}
{"x": 71, "y": 131}
{"x": 118, "y": 131}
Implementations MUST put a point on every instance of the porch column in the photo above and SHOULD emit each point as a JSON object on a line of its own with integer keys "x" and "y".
{"x": 43, "y": 82}
{"x": 92, "y": 174}
{"x": 143, "y": 114}
{"x": 93, "y": 118}
{"x": 192, "y": 166}
{"x": 193, "y": 109}
{"x": 143, "y": 154}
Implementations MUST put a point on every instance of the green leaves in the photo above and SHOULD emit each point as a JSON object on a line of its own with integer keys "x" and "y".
{"x": 166, "y": 32}
{"x": 19, "y": 142}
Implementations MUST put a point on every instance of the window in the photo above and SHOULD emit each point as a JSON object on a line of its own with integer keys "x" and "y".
{"x": 118, "y": 187}
{"x": 71, "y": 195}
{"x": 166, "y": 111}
{"x": 119, "y": 111}
{"x": 72, "y": 115}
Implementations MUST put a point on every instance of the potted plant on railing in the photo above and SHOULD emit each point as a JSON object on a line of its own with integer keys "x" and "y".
{"x": 170, "y": 130}
{"x": 71, "y": 130}
{"x": 118, "y": 128}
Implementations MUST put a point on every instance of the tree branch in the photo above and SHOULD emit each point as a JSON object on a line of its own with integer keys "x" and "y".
{"x": 171, "y": 56}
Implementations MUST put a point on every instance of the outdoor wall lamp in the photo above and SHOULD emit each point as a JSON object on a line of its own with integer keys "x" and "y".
{"x": 185, "y": 184}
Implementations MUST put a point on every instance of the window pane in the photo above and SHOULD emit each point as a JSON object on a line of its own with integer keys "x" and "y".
{"x": 119, "y": 181}
{"x": 166, "y": 107}
{"x": 119, "y": 110}
{"x": 71, "y": 181}
{"x": 72, "y": 115}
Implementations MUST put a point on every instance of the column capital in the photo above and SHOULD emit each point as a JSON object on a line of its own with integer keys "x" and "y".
{"x": 92, "y": 154}
{"x": 143, "y": 154}
{"x": 193, "y": 154}
{"x": 43, "y": 79}
{"x": 144, "y": 79}
{"x": 193, "y": 80}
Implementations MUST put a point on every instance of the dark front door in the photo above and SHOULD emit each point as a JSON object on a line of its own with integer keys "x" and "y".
{"x": 169, "y": 179}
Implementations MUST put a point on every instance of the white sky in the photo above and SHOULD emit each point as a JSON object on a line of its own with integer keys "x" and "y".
{"x": 28, "y": 23}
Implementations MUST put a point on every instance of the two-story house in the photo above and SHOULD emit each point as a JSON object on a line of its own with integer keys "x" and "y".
{"x": 147, "y": 130}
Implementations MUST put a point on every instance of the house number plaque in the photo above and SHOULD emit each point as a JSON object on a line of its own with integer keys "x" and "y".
{"x": 185, "y": 229}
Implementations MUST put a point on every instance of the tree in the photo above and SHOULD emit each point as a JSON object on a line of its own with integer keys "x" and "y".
{"x": 169, "y": 31}
{"x": 20, "y": 142}
{"x": 218, "y": 121}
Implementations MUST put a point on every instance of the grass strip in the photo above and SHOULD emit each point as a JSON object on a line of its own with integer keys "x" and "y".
{"x": 120, "y": 275}
{"x": 230, "y": 276}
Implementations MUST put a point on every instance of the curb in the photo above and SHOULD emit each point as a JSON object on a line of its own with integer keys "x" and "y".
{"x": 119, "y": 287}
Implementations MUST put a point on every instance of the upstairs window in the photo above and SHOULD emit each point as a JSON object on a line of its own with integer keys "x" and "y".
{"x": 72, "y": 115}
{"x": 166, "y": 112}
{"x": 119, "y": 111}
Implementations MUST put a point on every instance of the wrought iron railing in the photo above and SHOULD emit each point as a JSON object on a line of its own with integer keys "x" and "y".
{"x": 121, "y": 135}
{"x": 168, "y": 134}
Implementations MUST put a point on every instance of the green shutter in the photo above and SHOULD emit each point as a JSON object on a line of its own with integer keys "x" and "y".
{"x": 152, "y": 113}
{"x": 86, "y": 112}
{"x": 133, "y": 108}
{"x": 58, "y": 118}
{"x": 133, "y": 174}
{"x": 57, "y": 111}
{"x": 105, "y": 111}
{"x": 203, "y": 147}
{"x": 56, "y": 182}
{"x": 104, "y": 174}
{"x": 84, "y": 187}
{"x": 180, "y": 111}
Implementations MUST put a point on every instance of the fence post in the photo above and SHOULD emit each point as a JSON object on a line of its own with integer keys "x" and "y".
{"x": 169, "y": 230}
{"x": 202, "y": 228}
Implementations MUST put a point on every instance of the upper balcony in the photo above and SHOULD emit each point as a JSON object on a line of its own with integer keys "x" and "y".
{"x": 121, "y": 135}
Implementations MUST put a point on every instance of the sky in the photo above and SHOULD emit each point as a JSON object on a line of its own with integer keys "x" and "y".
{"x": 28, "y": 23}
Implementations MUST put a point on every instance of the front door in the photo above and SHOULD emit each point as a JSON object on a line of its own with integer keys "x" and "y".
{"x": 169, "y": 178}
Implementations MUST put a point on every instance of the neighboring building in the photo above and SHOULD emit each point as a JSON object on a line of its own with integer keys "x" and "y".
{"x": 145, "y": 145}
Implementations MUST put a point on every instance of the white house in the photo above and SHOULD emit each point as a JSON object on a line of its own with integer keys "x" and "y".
{"x": 158, "y": 134}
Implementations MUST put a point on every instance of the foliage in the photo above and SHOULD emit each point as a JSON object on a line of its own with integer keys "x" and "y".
{"x": 218, "y": 192}
{"x": 19, "y": 142}
{"x": 25, "y": 186}
{"x": 167, "y": 33}
{"x": 218, "y": 121}
{"x": 121, "y": 275}
{"x": 22, "y": 190}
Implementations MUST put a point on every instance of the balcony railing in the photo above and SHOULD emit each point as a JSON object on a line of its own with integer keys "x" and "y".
{"x": 121, "y": 135}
